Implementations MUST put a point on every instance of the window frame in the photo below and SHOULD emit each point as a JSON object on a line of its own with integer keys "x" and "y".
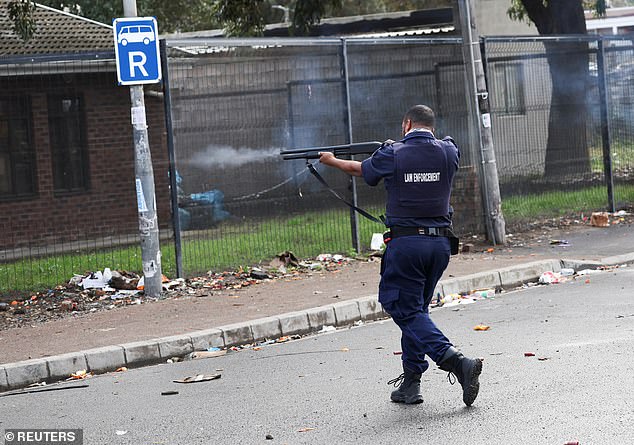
{"x": 62, "y": 147}
{"x": 504, "y": 88}
{"x": 17, "y": 157}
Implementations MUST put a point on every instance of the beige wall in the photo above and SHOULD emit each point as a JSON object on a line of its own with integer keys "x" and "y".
{"x": 492, "y": 20}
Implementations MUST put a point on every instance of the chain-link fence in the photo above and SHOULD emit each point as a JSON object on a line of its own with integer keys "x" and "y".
{"x": 67, "y": 193}
{"x": 563, "y": 140}
{"x": 237, "y": 103}
{"x": 562, "y": 124}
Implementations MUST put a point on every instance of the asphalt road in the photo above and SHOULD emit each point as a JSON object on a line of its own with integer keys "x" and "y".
{"x": 331, "y": 388}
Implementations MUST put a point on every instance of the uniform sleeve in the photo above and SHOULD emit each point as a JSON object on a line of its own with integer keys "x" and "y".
{"x": 453, "y": 149}
{"x": 380, "y": 165}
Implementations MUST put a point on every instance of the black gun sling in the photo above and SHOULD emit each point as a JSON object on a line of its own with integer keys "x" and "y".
{"x": 362, "y": 212}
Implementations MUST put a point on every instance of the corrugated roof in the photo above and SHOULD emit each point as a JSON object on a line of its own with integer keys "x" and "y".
{"x": 58, "y": 32}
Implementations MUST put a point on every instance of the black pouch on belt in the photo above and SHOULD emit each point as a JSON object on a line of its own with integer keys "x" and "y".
{"x": 454, "y": 243}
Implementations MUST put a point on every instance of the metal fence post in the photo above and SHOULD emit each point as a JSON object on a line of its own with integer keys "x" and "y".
{"x": 354, "y": 218}
{"x": 605, "y": 124}
{"x": 167, "y": 103}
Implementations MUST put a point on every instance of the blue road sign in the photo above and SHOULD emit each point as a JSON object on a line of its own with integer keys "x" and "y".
{"x": 136, "y": 46}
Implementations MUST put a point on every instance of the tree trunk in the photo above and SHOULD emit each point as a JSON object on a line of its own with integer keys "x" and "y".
{"x": 567, "y": 146}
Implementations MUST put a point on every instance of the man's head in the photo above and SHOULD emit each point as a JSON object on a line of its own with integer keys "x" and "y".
{"x": 419, "y": 116}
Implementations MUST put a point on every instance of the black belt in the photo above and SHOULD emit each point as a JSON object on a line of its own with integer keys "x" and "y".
{"x": 395, "y": 232}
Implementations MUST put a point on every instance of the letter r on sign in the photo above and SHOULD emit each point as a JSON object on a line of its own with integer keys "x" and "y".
{"x": 137, "y": 60}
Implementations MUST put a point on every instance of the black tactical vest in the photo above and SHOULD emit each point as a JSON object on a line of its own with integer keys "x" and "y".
{"x": 424, "y": 168}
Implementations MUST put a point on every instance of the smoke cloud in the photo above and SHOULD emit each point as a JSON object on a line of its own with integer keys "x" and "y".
{"x": 215, "y": 156}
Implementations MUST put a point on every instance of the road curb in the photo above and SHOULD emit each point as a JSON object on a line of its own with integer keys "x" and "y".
{"x": 343, "y": 314}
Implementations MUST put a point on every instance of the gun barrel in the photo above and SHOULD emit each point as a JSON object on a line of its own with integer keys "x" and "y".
{"x": 338, "y": 150}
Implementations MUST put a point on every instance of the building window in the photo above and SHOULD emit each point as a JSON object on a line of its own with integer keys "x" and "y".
{"x": 509, "y": 88}
{"x": 17, "y": 154}
{"x": 68, "y": 143}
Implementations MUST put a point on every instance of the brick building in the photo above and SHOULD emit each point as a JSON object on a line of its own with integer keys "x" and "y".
{"x": 66, "y": 147}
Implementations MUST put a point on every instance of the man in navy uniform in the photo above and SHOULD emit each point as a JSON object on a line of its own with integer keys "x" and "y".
{"x": 418, "y": 173}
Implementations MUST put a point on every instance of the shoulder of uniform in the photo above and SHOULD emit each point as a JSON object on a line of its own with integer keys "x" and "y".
{"x": 449, "y": 139}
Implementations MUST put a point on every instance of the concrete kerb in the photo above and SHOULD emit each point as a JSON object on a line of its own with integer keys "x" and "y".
{"x": 482, "y": 280}
{"x": 141, "y": 353}
{"x": 209, "y": 338}
{"x": 627, "y": 258}
{"x": 175, "y": 346}
{"x": 370, "y": 308}
{"x": 517, "y": 275}
{"x": 346, "y": 313}
{"x": 578, "y": 265}
{"x": 266, "y": 329}
{"x": 62, "y": 366}
{"x": 106, "y": 359}
{"x": 295, "y": 323}
{"x": 321, "y": 316}
{"x": 24, "y": 373}
{"x": 100, "y": 360}
{"x": 4, "y": 383}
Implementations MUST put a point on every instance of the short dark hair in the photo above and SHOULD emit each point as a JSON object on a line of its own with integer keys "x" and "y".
{"x": 421, "y": 114}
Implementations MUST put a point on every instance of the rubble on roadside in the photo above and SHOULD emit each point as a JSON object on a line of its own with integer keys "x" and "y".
{"x": 110, "y": 289}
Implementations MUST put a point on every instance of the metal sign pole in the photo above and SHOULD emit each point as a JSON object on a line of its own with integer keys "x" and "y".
{"x": 144, "y": 180}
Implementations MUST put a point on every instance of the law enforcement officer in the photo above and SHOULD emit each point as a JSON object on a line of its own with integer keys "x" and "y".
{"x": 418, "y": 173}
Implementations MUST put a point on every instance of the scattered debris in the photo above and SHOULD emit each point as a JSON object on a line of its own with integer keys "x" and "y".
{"x": 541, "y": 359}
{"x": 80, "y": 375}
{"x": 305, "y": 430}
{"x": 207, "y": 354}
{"x": 529, "y": 354}
{"x": 121, "y": 432}
{"x": 327, "y": 328}
{"x": 110, "y": 289}
{"x": 269, "y": 437}
{"x": 376, "y": 243}
{"x": 550, "y": 278}
{"x": 398, "y": 352}
{"x": 481, "y": 327}
{"x": 121, "y": 369}
{"x": 559, "y": 242}
{"x": 198, "y": 378}
{"x": 40, "y": 389}
{"x": 258, "y": 274}
{"x": 169, "y": 393}
{"x": 600, "y": 219}
{"x": 462, "y": 298}
{"x": 589, "y": 272}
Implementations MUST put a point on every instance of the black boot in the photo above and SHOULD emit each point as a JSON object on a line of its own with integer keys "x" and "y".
{"x": 467, "y": 370}
{"x": 408, "y": 385}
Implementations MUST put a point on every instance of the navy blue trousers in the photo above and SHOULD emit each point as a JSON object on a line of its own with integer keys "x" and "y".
{"x": 410, "y": 270}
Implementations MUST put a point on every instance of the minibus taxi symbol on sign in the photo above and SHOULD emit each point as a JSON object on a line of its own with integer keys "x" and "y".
{"x": 137, "y": 50}
{"x": 135, "y": 34}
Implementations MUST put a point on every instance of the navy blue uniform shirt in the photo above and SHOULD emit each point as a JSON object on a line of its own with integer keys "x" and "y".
{"x": 381, "y": 166}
